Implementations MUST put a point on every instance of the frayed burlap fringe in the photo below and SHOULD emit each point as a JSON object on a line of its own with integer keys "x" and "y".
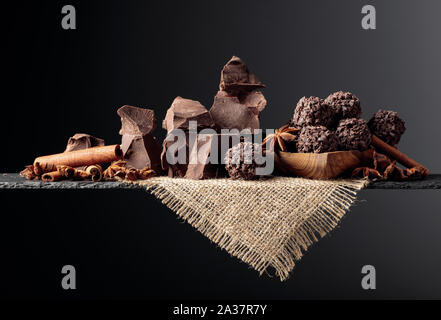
{"x": 265, "y": 223}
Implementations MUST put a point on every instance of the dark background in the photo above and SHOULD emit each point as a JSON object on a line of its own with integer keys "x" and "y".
{"x": 125, "y": 244}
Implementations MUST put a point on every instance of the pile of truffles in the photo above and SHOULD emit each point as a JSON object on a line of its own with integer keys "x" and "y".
{"x": 334, "y": 124}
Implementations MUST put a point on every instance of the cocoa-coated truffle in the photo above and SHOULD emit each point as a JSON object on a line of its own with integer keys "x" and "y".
{"x": 353, "y": 134}
{"x": 345, "y": 104}
{"x": 387, "y": 126}
{"x": 316, "y": 139}
{"x": 240, "y": 160}
{"x": 312, "y": 111}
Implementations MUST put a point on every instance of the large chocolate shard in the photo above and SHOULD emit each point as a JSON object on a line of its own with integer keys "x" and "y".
{"x": 235, "y": 77}
{"x": 196, "y": 164}
{"x": 237, "y": 105}
{"x": 136, "y": 121}
{"x": 237, "y": 112}
{"x": 139, "y": 146}
{"x": 141, "y": 151}
{"x": 81, "y": 141}
{"x": 202, "y": 159}
{"x": 182, "y": 111}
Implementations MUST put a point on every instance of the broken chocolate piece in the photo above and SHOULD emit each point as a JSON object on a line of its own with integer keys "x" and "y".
{"x": 184, "y": 110}
{"x": 141, "y": 151}
{"x": 83, "y": 141}
{"x": 139, "y": 146}
{"x": 136, "y": 121}
{"x": 235, "y": 77}
{"x": 231, "y": 112}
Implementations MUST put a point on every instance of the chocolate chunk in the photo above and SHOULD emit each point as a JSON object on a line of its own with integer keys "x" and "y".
{"x": 139, "y": 146}
{"x": 184, "y": 110}
{"x": 136, "y": 121}
{"x": 237, "y": 112}
{"x": 141, "y": 151}
{"x": 235, "y": 77}
{"x": 353, "y": 134}
{"x": 198, "y": 164}
{"x": 83, "y": 141}
{"x": 211, "y": 149}
{"x": 313, "y": 111}
{"x": 316, "y": 139}
{"x": 387, "y": 126}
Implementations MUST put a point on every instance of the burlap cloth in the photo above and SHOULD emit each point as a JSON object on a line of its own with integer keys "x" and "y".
{"x": 265, "y": 223}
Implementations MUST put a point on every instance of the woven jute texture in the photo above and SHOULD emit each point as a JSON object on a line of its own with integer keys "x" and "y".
{"x": 265, "y": 223}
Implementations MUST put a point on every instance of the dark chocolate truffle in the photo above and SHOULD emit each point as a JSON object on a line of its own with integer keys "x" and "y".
{"x": 387, "y": 126}
{"x": 353, "y": 134}
{"x": 240, "y": 160}
{"x": 312, "y": 111}
{"x": 345, "y": 104}
{"x": 316, "y": 139}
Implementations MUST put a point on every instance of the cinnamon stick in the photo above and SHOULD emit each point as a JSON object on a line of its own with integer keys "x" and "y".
{"x": 52, "y": 176}
{"x": 95, "y": 172}
{"x": 77, "y": 158}
{"x": 397, "y": 155}
{"x": 66, "y": 171}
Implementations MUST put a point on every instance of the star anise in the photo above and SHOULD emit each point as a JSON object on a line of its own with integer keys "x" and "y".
{"x": 280, "y": 136}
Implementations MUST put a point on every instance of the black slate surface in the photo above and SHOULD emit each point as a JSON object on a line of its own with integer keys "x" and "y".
{"x": 15, "y": 181}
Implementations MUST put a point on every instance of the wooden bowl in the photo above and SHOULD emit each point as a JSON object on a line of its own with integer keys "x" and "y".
{"x": 321, "y": 165}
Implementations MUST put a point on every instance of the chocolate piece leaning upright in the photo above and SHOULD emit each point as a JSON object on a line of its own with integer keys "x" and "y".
{"x": 182, "y": 111}
{"x": 178, "y": 116}
{"x": 83, "y": 141}
{"x": 387, "y": 126}
{"x": 138, "y": 144}
{"x": 236, "y": 78}
{"x": 237, "y": 105}
{"x": 242, "y": 112}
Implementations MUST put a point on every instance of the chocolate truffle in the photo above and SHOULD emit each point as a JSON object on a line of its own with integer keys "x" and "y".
{"x": 387, "y": 126}
{"x": 316, "y": 139}
{"x": 240, "y": 160}
{"x": 345, "y": 104}
{"x": 353, "y": 134}
{"x": 312, "y": 111}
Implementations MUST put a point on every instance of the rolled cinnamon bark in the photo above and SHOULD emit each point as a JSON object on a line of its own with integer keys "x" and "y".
{"x": 78, "y": 158}
{"x": 395, "y": 154}
{"x": 95, "y": 172}
{"x": 66, "y": 171}
{"x": 52, "y": 176}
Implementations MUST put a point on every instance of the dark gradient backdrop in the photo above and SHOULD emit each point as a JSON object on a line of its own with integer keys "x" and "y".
{"x": 145, "y": 53}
